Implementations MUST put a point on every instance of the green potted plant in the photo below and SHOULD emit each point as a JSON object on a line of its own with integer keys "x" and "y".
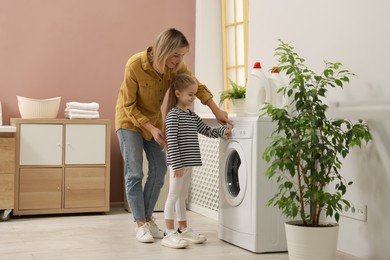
{"x": 306, "y": 150}
{"x": 236, "y": 96}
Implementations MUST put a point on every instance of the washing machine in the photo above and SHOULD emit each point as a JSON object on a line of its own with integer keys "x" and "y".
{"x": 244, "y": 219}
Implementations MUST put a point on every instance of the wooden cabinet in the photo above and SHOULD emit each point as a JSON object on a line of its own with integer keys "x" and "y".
{"x": 7, "y": 170}
{"x": 63, "y": 166}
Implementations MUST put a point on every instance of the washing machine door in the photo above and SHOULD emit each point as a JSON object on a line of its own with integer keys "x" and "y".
{"x": 234, "y": 173}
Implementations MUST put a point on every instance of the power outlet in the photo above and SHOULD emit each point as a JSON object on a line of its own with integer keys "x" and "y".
{"x": 355, "y": 212}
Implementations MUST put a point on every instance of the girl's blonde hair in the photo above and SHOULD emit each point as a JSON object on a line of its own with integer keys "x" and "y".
{"x": 165, "y": 46}
{"x": 180, "y": 82}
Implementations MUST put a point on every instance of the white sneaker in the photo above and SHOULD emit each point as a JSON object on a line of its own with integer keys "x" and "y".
{"x": 191, "y": 237}
{"x": 173, "y": 240}
{"x": 143, "y": 234}
{"x": 154, "y": 230}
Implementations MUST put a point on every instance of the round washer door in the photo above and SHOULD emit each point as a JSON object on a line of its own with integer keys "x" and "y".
{"x": 234, "y": 173}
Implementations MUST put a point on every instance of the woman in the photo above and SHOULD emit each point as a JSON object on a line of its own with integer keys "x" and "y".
{"x": 139, "y": 123}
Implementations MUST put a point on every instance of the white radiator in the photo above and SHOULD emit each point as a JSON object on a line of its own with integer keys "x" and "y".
{"x": 204, "y": 193}
{"x": 163, "y": 193}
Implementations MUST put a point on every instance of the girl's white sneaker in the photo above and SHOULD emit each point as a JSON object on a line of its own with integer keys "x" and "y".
{"x": 191, "y": 237}
{"x": 173, "y": 240}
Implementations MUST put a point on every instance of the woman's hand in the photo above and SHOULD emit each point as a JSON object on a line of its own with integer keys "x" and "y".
{"x": 220, "y": 115}
{"x": 178, "y": 173}
{"x": 157, "y": 134}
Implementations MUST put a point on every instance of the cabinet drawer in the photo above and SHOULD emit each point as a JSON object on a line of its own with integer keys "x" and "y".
{"x": 85, "y": 187}
{"x": 40, "y": 188}
{"x": 7, "y": 155}
{"x": 85, "y": 144}
{"x": 40, "y": 144}
{"x": 7, "y": 190}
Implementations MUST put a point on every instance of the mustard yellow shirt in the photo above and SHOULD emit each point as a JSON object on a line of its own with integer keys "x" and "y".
{"x": 142, "y": 92}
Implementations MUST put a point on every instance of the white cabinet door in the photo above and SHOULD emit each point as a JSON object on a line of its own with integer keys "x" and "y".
{"x": 85, "y": 144}
{"x": 40, "y": 144}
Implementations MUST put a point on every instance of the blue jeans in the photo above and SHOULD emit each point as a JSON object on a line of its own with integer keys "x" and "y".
{"x": 132, "y": 145}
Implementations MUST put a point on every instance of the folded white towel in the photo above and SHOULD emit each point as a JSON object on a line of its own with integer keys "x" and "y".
{"x": 74, "y": 116}
{"x": 86, "y": 106}
{"x": 80, "y": 111}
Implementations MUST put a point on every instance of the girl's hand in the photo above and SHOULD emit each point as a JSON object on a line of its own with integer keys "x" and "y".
{"x": 228, "y": 132}
{"x": 178, "y": 173}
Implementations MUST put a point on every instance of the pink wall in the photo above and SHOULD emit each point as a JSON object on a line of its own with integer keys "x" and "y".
{"x": 78, "y": 49}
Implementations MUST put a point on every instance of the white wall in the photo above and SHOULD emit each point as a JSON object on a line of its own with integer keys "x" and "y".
{"x": 208, "y": 49}
{"x": 356, "y": 33}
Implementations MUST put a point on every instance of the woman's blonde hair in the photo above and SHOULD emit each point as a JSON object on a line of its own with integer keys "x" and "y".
{"x": 180, "y": 82}
{"x": 165, "y": 46}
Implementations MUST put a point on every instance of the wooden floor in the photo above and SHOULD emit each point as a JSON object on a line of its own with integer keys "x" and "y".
{"x": 109, "y": 236}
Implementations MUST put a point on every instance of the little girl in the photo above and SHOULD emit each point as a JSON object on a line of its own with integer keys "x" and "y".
{"x": 182, "y": 128}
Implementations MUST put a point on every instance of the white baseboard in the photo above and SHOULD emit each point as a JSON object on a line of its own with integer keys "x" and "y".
{"x": 203, "y": 211}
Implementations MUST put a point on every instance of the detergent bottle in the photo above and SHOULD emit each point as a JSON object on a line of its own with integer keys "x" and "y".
{"x": 275, "y": 83}
{"x": 257, "y": 90}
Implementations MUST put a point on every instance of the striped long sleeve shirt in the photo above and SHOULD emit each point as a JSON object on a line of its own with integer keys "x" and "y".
{"x": 182, "y": 130}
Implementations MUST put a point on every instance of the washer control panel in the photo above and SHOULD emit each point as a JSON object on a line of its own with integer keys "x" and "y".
{"x": 242, "y": 131}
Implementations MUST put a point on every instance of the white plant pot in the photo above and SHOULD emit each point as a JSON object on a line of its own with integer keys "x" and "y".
{"x": 237, "y": 105}
{"x": 309, "y": 243}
